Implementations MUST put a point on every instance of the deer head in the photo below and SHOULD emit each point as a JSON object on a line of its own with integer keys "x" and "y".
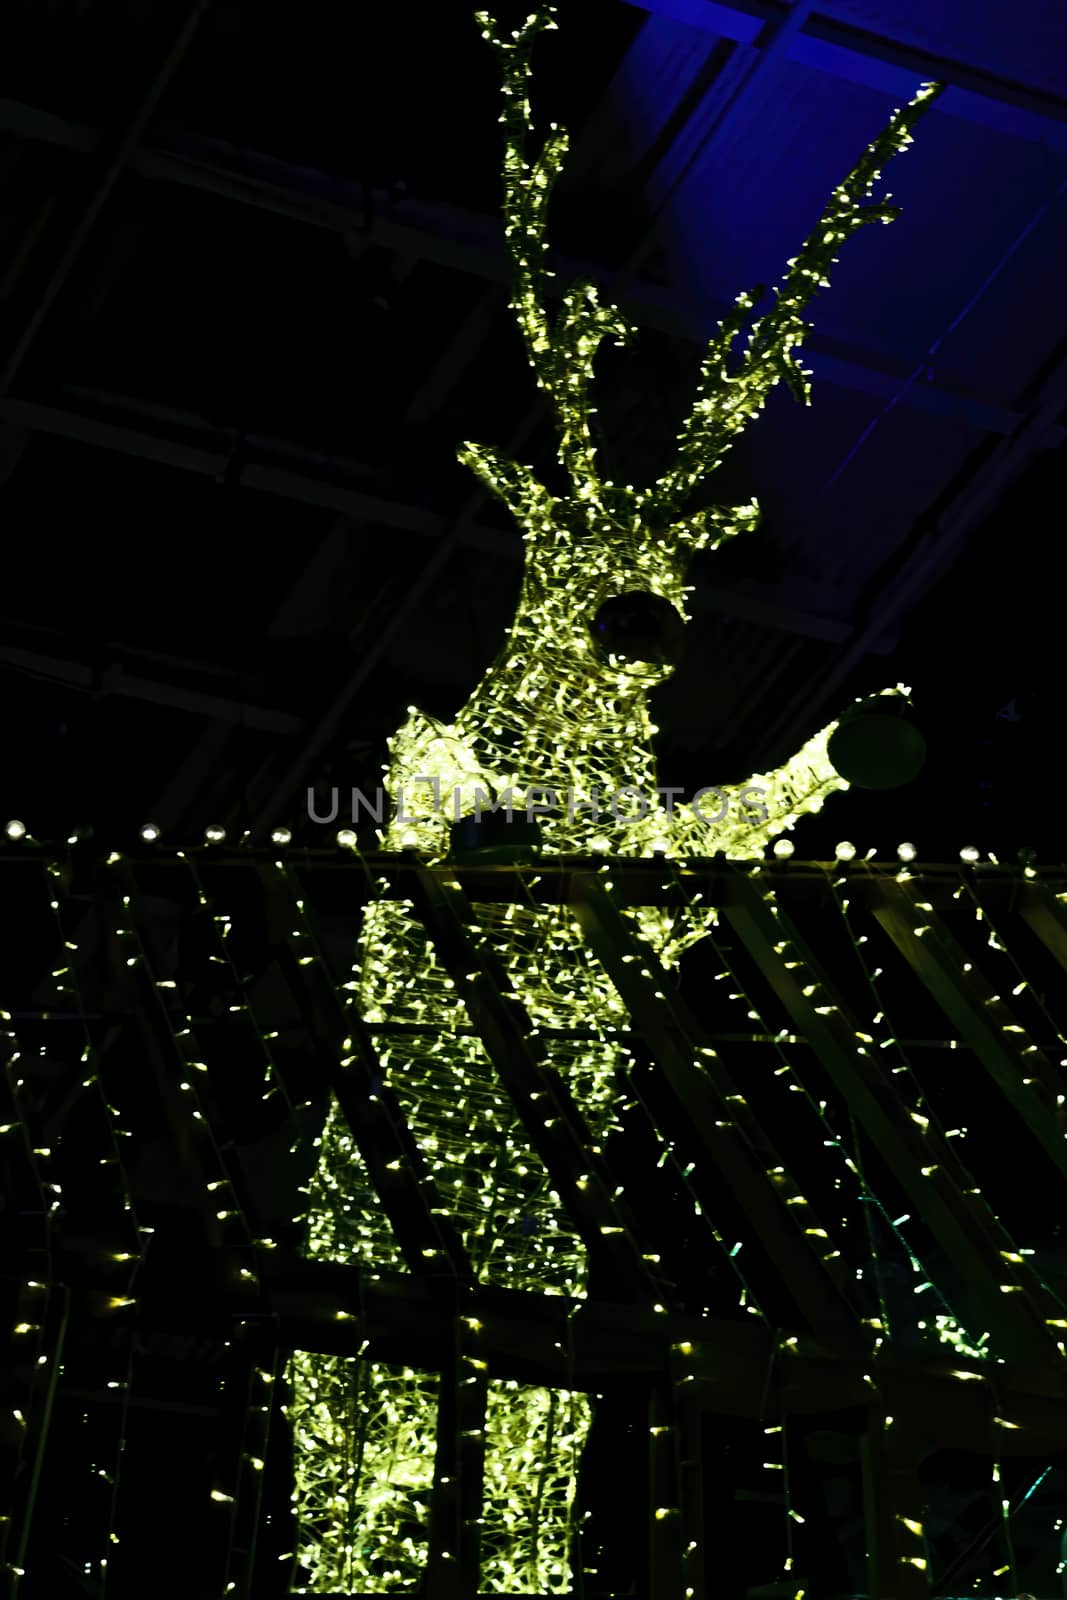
{"x": 604, "y": 586}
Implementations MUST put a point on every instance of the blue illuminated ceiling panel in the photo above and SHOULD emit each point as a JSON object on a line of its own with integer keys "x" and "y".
{"x": 1022, "y": 43}
{"x": 927, "y": 342}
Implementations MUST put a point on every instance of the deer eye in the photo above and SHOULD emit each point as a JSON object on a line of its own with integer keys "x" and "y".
{"x": 639, "y": 627}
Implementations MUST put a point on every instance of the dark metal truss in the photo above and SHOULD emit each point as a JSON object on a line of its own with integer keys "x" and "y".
{"x": 136, "y": 1010}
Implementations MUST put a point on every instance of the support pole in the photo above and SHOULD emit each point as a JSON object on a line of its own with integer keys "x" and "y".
{"x": 893, "y": 1511}
{"x": 453, "y": 1564}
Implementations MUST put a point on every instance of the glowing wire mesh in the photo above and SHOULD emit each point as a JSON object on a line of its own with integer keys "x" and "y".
{"x": 552, "y": 712}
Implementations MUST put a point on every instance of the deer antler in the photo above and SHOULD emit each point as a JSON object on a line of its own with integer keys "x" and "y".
{"x": 726, "y": 402}
{"x": 561, "y": 351}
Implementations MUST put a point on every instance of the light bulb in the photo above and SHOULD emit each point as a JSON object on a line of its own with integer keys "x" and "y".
{"x": 845, "y": 851}
{"x": 906, "y": 852}
{"x": 281, "y": 836}
{"x": 784, "y": 848}
{"x": 970, "y": 852}
{"x": 149, "y": 832}
{"x": 15, "y": 829}
{"x": 346, "y": 839}
{"x": 214, "y": 835}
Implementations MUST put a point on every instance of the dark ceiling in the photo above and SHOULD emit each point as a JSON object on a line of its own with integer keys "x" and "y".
{"x": 254, "y": 295}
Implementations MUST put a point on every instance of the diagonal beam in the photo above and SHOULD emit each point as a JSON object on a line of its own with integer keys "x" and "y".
{"x": 923, "y": 1162}
{"x": 134, "y": 686}
{"x": 561, "y": 1139}
{"x": 1045, "y": 914}
{"x": 394, "y": 1162}
{"x": 116, "y": 160}
{"x": 1026, "y": 1077}
{"x": 740, "y": 1149}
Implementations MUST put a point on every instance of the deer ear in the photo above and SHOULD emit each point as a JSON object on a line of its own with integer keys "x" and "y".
{"x": 525, "y": 496}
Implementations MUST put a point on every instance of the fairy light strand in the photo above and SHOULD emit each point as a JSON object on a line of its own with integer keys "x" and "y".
{"x": 520, "y": 1534}
{"x": 952, "y": 1140}
{"x": 129, "y": 1235}
{"x": 947, "y": 1324}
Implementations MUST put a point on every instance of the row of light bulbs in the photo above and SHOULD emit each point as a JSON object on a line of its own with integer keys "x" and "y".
{"x": 347, "y": 839}
{"x": 847, "y": 851}
{"x": 150, "y": 833}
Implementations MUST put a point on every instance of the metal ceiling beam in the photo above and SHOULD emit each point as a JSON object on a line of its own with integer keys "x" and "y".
{"x": 771, "y": 44}
{"x": 466, "y": 242}
{"x": 857, "y": 56}
{"x": 117, "y": 152}
{"x": 361, "y": 506}
{"x": 175, "y": 444}
{"x": 115, "y": 680}
{"x": 937, "y": 549}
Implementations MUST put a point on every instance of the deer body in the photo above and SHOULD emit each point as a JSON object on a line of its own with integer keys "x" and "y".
{"x": 556, "y": 711}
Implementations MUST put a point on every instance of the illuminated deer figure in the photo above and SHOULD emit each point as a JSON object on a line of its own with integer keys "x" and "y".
{"x": 563, "y": 708}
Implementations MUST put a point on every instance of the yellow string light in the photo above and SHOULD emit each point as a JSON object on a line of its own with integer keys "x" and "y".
{"x": 550, "y": 713}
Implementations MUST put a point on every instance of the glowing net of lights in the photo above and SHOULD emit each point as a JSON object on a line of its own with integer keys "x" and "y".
{"x": 551, "y": 713}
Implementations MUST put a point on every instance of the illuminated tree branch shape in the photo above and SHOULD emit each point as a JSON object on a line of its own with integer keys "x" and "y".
{"x": 562, "y": 709}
